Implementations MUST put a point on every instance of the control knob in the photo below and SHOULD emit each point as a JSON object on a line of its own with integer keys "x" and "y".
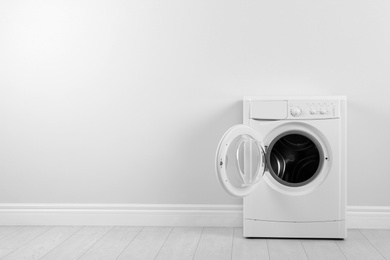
{"x": 296, "y": 111}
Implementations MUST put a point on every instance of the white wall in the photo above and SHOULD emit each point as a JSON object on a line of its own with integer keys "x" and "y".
{"x": 125, "y": 101}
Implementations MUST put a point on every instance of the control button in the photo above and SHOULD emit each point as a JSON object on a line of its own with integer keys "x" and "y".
{"x": 313, "y": 112}
{"x": 296, "y": 111}
{"x": 323, "y": 112}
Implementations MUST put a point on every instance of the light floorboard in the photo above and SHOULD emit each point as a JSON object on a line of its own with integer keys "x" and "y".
{"x": 41, "y": 245}
{"x": 283, "y": 249}
{"x": 248, "y": 248}
{"x": 112, "y": 244}
{"x": 380, "y": 239}
{"x": 357, "y": 247}
{"x": 215, "y": 244}
{"x": 162, "y": 243}
{"x": 181, "y": 244}
{"x": 146, "y": 244}
{"x": 322, "y": 249}
{"x": 19, "y": 238}
{"x": 6, "y": 230}
{"x": 76, "y": 245}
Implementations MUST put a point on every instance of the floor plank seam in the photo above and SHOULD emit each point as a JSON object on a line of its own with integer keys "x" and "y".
{"x": 28, "y": 240}
{"x": 81, "y": 227}
{"x": 96, "y": 242}
{"x": 170, "y": 232}
{"x": 372, "y": 244}
{"x": 232, "y": 246}
{"x": 304, "y": 250}
{"x": 131, "y": 241}
{"x": 337, "y": 244}
{"x": 197, "y": 244}
{"x": 266, "y": 242}
{"x": 17, "y": 229}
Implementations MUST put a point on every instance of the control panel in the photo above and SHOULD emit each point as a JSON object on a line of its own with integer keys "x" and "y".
{"x": 313, "y": 109}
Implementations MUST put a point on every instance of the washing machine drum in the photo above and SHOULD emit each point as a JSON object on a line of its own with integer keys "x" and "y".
{"x": 294, "y": 159}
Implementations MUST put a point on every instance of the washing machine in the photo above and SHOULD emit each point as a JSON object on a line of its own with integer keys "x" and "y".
{"x": 288, "y": 163}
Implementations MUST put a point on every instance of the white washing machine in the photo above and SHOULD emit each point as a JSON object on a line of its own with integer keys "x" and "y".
{"x": 288, "y": 162}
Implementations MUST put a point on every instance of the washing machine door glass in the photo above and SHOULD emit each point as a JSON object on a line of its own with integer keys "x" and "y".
{"x": 240, "y": 160}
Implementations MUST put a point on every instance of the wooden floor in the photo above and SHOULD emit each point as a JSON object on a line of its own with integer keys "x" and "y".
{"x": 66, "y": 242}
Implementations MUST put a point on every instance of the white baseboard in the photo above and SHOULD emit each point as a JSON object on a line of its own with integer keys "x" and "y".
{"x": 122, "y": 214}
{"x": 368, "y": 217}
{"x": 160, "y": 215}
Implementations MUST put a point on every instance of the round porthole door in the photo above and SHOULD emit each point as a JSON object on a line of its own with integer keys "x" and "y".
{"x": 240, "y": 160}
{"x": 295, "y": 158}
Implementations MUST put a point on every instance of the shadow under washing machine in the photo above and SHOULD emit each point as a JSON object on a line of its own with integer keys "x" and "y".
{"x": 288, "y": 162}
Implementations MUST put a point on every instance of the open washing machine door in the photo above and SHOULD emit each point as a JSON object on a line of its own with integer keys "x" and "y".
{"x": 240, "y": 160}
